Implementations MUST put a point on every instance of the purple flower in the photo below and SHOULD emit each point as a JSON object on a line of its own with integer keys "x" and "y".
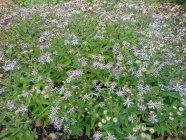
{"x": 1, "y": 90}
{"x": 74, "y": 74}
{"x": 57, "y": 123}
{"x": 46, "y": 58}
{"x": 11, "y": 65}
{"x": 97, "y": 135}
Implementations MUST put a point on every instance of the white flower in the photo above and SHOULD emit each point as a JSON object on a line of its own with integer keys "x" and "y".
{"x": 100, "y": 124}
{"x": 97, "y": 135}
{"x": 171, "y": 118}
{"x": 131, "y": 137}
{"x": 22, "y": 109}
{"x": 148, "y": 136}
{"x": 74, "y": 74}
{"x": 131, "y": 118}
{"x": 181, "y": 109}
{"x": 143, "y": 135}
{"x": 170, "y": 113}
{"x": 110, "y": 137}
{"x": 134, "y": 129}
{"x": 174, "y": 107}
{"x": 105, "y": 112}
{"x": 152, "y": 105}
{"x": 179, "y": 113}
{"x": 1, "y": 90}
{"x": 152, "y": 117}
{"x": 10, "y": 65}
{"x": 151, "y": 130}
{"x": 127, "y": 102}
{"x": 115, "y": 120}
{"x": 183, "y": 102}
{"x": 108, "y": 118}
{"x": 46, "y": 58}
{"x": 178, "y": 87}
{"x": 10, "y": 105}
{"x": 54, "y": 109}
{"x": 86, "y": 97}
{"x": 67, "y": 94}
{"x": 103, "y": 121}
{"x": 143, "y": 128}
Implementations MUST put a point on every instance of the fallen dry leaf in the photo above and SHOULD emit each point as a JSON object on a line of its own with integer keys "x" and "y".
{"x": 39, "y": 123}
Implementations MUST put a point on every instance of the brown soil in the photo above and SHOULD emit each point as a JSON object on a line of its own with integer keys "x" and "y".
{"x": 4, "y": 3}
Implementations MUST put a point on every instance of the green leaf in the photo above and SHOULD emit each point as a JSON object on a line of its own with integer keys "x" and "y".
{"x": 171, "y": 94}
{"x": 3, "y": 134}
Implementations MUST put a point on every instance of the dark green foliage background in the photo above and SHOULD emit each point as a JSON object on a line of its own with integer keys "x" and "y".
{"x": 183, "y": 2}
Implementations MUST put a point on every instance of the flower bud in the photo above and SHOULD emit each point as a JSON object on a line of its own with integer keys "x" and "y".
{"x": 103, "y": 121}
{"x": 179, "y": 113}
{"x": 181, "y": 109}
{"x": 100, "y": 124}
{"x": 171, "y": 118}
{"x": 151, "y": 130}
{"x": 115, "y": 120}
{"x": 105, "y": 112}
{"x": 143, "y": 128}
{"x": 108, "y": 118}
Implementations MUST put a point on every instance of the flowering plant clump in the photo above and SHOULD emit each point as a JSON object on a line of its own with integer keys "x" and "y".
{"x": 101, "y": 70}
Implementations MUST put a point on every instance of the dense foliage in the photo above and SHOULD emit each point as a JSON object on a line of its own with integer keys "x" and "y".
{"x": 107, "y": 70}
{"x": 31, "y": 2}
{"x": 183, "y": 2}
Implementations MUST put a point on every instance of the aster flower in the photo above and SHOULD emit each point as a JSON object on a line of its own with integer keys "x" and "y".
{"x": 110, "y": 137}
{"x": 1, "y": 55}
{"x": 153, "y": 117}
{"x": 127, "y": 102}
{"x": 71, "y": 110}
{"x": 55, "y": 109}
{"x": 1, "y": 90}
{"x": 85, "y": 97}
{"x": 97, "y": 135}
{"x": 178, "y": 87}
{"x": 101, "y": 104}
{"x": 183, "y": 102}
{"x": 74, "y": 74}
{"x": 131, "y": 118}
{"x": 98, "y": 65}
{"x": 10, "y": 65}
{"x": 131, "y": 137}
{"x": 10, "y": 105}
{"x": 140, "y": 98}
{"x": 152, "y": 105}
{"x": 119, "y": 93}
{"x": 96, "y": 94}
{"x": 57, "y": 123}
{"x": 46, "y": 58}
{"x": 22, "y": 109}
{"x": 142, "y": 107}
{"x": 27, "y": 94}
{"x": 67, "y": 94}
{"x": 66, "y": 129}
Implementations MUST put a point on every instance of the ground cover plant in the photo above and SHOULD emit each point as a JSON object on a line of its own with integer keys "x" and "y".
{"x": 183, "y": 2}
{"x": 101, "y": 70}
